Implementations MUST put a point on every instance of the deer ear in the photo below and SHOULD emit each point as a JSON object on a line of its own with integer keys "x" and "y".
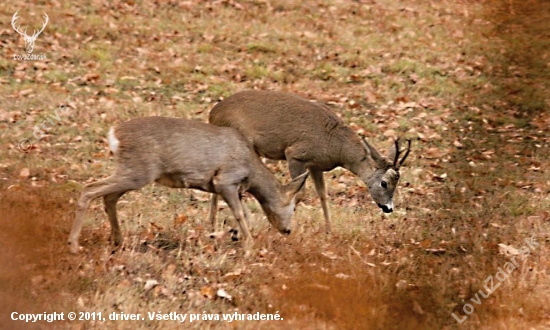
{"x": 372, "y": 152}
{"x": 295, "y": 185}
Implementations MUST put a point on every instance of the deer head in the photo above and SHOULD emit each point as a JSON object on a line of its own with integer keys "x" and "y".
{"x": 383, "y": 181}
{"x": 29, "y": 40}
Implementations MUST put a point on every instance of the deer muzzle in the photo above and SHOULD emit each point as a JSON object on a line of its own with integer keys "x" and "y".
{"x": 387, "y": 208}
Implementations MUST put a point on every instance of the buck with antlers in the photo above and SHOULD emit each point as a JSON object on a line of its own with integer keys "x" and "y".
{"x": 310, "y": 137}
{"x": 29, "y": 40}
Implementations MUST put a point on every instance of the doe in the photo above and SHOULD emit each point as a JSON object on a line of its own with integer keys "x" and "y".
{"x": 181, "y": 153}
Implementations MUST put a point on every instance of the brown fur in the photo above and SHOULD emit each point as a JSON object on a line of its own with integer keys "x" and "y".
{"x": 309, "y": 136}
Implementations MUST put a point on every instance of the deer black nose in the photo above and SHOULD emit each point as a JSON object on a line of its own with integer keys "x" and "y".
{"x": 286, "y": 231}
{"x": 385, "y": 208}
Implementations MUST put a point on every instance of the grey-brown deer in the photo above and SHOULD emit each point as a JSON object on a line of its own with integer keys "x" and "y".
{"x": 310, "y": 137}
{"x": 181, "y": 153}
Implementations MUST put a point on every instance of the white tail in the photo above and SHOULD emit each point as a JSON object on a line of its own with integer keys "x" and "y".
{"x": 310, "y": 137}
{"x": 29, "y": 40}
{"x": 181, "y": 153}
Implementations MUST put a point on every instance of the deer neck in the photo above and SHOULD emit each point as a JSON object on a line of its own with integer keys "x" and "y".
{"x": 353, "y": 159}
{"x": 263, "y": 186}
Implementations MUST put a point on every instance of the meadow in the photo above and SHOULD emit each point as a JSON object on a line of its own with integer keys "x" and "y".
{"x": 467, "y": 81}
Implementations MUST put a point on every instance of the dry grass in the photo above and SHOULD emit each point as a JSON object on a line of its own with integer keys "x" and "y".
{"x": 468, "y": 81}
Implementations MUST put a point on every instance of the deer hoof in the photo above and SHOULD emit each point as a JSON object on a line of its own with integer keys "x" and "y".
{"x": 74, "y": 248}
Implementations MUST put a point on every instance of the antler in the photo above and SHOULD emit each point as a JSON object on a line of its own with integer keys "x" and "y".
{"x": 35, "y": 34}
{"x": 396, "y": 162}
{"x": 397, "y": 152}
{"x": 13, "y": 19}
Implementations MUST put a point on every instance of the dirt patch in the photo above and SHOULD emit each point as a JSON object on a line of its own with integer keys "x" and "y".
{"x": 335, "y": 288}
{"x": 33, "y": 265}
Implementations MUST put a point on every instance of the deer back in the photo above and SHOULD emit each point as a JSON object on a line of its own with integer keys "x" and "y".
{"x": 181, "y": 153}
{"x": 281, "y": 125}
{"x": 275, "y": 121}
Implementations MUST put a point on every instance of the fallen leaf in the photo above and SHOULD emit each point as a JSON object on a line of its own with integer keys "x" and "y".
{"x": 207, "y": 292}
{"x": 507, "y": 249}
{"x": 436, "y": 251}
{"x": 222, "y": 294}
{"x": 330, "y": 255}
{"x": 180, "y": 220}
{"x": 209, "y": 249}
{"x": 417, "y": 309}
{"x": 149, "y": 284}
{"x": 233, "y": 275}
{"x": 426, "y": 243}
{"x": 154, "y": 226}
{"x": 24, "y": 173}
{"x": 390, "y": 133}
{"x": 80, "y": 302}
{"x": 166, "y": 292}
{"x": 217, "y": 234}
{"x": 25, "y": 92}
{"x": 401, "y": 284}
{"x": 440, "y": 178}
{"x": 534, "y": 218}
{"x": 40, "y": 65}
{"x": 433, "y": 153}
{"x": 91, "y": 76}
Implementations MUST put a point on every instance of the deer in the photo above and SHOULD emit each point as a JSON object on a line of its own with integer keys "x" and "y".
{"x": 310, "y": 137}
{"x": 181, "y": 153}
{"x": 29, "y": 40}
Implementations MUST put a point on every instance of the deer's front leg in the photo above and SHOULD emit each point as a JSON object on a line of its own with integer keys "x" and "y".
{"x": 296, "y": 169}
{"x": 319, "y": 182}
{"x": 231, "y": 196}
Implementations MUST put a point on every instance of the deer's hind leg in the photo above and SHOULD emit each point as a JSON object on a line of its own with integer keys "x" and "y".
{"x": 111, "y": 188}
{"x": 110, "y": 202}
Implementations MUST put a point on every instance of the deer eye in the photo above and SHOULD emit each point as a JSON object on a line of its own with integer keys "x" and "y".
{"x": 384, "y": 184}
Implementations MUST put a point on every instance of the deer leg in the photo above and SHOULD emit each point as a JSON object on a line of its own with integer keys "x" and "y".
{"x": 110, "y": 202}
{"x": 247, "y": 214}
{"x": 231, "y": 196}
{"x": 110, "y": 185}
{"x": 296, "y": 169}
{"x": 213, "y": 210}
{"x": 319, "y": 182}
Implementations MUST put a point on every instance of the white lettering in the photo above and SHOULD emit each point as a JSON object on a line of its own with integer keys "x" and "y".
{"x": 460, "y": 321}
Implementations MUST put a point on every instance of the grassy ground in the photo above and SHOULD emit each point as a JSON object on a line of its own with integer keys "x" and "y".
{"x": 467, "y": 81}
